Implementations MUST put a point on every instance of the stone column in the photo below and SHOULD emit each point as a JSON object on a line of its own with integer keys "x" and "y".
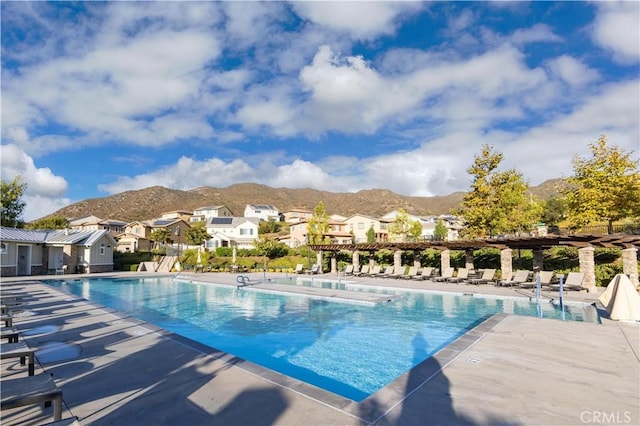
{"x": 630, "y": 264}
{"x": 506, "y": 263}
{"x": 356, "y": 261}
{"x": 588, "y": 266}
{"x": 445, "y": 260}
{"x": 416, "y": 259}
{"x": 397, "y": 259}
{"x": 538, "y": 260}
{"x": 334, "y": 264}
{"x": 468, "y": 259}
{"x": 319, "y": 261}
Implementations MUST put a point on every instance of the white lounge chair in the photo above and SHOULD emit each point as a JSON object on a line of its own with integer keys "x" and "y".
{"x": 545, "y": 280}
{"x": 573, "y": 282}
{"x": 488, "y": 276}
{"x": 520, "y": 276}
{"x": 461, "y": 276}
{"x": 446, "y": 273}
{"x": 424, "y": 273}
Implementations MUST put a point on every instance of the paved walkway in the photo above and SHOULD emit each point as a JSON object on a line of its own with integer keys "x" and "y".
{"x": 117, "y": 370}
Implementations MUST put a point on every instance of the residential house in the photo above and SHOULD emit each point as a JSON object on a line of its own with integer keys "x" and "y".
{"x": 297, "y": 215}
{"x": 240, "y": 232}
{"x": 137, "y": 235}
{"x": 337, "y": 234}
{"x": 202, "y": 214}
{"x": 359, "y": 224}
{"x": 177, "y": 214}
{"x": 94, "y": 223}
{"x": 38, "y": 252}
{"x": 262, "y": 211}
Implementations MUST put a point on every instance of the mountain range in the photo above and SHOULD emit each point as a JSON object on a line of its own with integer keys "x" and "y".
{"x": 151, "y": 202}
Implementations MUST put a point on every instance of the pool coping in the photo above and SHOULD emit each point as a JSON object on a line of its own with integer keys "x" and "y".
{"x": 369, "y": 410}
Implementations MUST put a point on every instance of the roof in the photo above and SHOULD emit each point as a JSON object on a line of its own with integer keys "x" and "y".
{"x": 59, "y": 236}
{"x": 225, "y": 222}
{"x": 209, "y": 208}
{"x": 262, "y": 206}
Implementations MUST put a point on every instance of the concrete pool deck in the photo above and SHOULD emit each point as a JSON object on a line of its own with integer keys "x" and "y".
{"x": 115, "y": 369}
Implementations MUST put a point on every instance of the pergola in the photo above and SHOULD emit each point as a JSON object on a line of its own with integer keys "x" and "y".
{"x": 585, "y": 244}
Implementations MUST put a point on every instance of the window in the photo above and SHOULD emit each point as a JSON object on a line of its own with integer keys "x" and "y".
{"x": 360, "y": 225}
{"x": 3, "y": 248}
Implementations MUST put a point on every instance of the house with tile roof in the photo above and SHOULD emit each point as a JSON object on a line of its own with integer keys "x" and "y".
{"x": 39, "y": 252}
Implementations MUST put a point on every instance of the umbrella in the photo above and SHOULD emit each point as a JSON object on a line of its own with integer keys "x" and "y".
{"x": 621, "y": 299}
{"x": 233, "y": 259}
{"x": 199, "y": 256}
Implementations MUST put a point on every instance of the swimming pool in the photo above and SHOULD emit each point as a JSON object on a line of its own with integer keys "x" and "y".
{"x": 348, "y": 349}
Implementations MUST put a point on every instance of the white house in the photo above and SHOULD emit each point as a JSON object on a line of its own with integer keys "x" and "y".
{"x": 241, "y": 232}
{"x": 262, "y": 212}
{"x": 207, "y": 212}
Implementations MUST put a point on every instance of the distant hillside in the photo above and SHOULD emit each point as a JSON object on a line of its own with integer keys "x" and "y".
{"x": 151, "y": 202}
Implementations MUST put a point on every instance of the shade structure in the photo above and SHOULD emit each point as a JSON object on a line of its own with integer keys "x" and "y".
{"x": 621, "y": 299}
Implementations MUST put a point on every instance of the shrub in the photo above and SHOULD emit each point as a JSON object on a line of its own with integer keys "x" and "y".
{"x": 605, "y": 273}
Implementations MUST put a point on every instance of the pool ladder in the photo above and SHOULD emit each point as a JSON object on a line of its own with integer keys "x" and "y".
{"x": 242, "y": 281}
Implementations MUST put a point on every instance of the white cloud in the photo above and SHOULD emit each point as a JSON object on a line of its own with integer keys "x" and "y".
{"x": 44, "y": 190}
{"x": 40, "y": 181}
{"x": 362, "y": 20}
{"x": 572, "y": 71}
{"x": 616, "y": 29}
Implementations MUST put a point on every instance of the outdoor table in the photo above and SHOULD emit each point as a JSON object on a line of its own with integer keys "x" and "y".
{"x": 19, "y": 350}
{"x": 32, "y": 390}
{"x": 10, "y": 333}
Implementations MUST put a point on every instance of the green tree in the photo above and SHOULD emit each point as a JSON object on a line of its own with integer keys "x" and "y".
{"x": 403, "y": 228}
{"x": 554, "y": 210}
{"x": 269, "y": 227}
{"x": 440, "y": 232}
{"x": 160, "y": 235}
{"x": 197, "y": 233}
{"x": 605, "y": 187}
{"x": 12, "y": 203}
{"x": 371, "y": 235}
{"x": 51, "y": 222}
{"x": 498, "y": 202}
{"x": 318, "y": 225}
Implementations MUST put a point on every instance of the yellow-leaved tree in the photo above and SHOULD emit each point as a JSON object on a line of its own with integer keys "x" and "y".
{"x": 498, "y": 202}
{"x": 603, "y": 188}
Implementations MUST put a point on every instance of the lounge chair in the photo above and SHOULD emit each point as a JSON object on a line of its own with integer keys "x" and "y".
{"x": 364, "y": 270}
{"x": 411, "y": 273}
{"x": 424, "y": 273}
{"x": 446, "y": 273}
{"x": 315, "y": 269}
{"x": 31, "y": 390}
{"x": 388, "y": 271}
{"x": 573, "y": 282}
{"x": 348, "y": 270}
{"x": 461, "y": 276}
{"x": 376, "y": 271}
{"x": 545, "y": 280}
{"x": 299, "y": 269}
{"x": 520, "y": 276}
{"x": 488, "y": 275}
{"x": 398, "y": 272}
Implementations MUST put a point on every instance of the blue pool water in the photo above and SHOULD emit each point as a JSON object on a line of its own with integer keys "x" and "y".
{"x": 348, "y": 349}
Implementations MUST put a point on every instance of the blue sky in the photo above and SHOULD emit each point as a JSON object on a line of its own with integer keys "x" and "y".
{"x": 100, "y": 98}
